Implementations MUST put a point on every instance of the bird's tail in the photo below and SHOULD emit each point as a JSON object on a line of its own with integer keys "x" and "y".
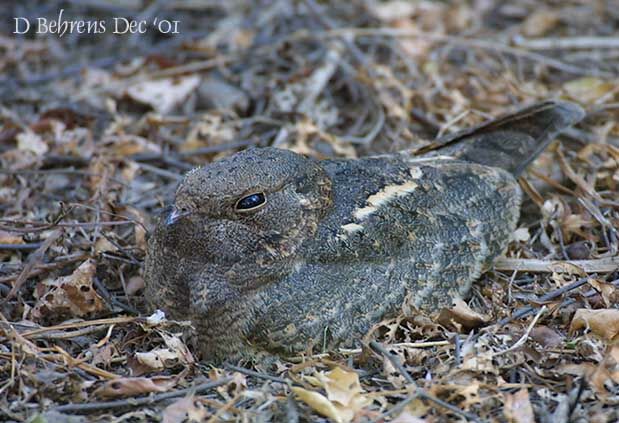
{"x": 512, "y": 141}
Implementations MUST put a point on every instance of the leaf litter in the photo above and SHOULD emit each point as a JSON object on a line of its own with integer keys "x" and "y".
{"x": 88, "y": 154}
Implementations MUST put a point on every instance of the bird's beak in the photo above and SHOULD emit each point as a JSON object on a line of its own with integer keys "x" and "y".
{"x": 174, "y": 215}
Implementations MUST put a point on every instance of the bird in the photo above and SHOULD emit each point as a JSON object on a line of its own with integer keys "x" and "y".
{"x": 270, "y": 251}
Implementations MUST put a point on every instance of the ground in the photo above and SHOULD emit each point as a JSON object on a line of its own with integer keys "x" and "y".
{"x": 97, "y": 128}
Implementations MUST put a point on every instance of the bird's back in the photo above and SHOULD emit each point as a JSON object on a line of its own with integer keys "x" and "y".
{"x": 400, "y": 226}
{"x": 422, "y": 228}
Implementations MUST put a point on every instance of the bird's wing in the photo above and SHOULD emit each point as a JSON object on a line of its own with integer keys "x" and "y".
{"x": 512, "y": 141}
{"x": 437, "y": 214}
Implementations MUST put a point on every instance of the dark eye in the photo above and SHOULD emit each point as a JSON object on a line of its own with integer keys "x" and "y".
{"x": 251, "y": 202}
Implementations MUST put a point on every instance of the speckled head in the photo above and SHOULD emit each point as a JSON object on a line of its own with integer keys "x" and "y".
{"x": 256, "y": 206}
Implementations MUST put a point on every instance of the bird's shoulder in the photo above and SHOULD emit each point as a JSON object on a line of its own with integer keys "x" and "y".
{"x": 391, "y": 205}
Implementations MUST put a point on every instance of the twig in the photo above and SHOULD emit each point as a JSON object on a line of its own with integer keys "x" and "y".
{"x": 21, "y": 247}
{"x": 71, "y": 334}
{"x": 137, "y": 402}
{"x": 470, "y": 42}
{"x": 192, "y": 67}
{"x": 419, "y": 392}
{"x": 87, "y": 323}
{"x": 525, "y": 311}
{"x": 32, "y": 261}
{"x": 525, "y": 336}
{"x": 602, "y": 265}
{"x": 40, "y": 268}
{"x": 566, "y": 43}
{"x": 161, "y": 172}
{"x": 221, "y": 410}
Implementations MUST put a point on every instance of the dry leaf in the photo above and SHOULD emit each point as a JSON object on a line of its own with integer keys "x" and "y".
{"x": 546, "y": 336}
{"x": 607, "y": 372}
{"x": 393, "y": 9}
{"x": 470, "y": 393}
{"x": 132, "y": 386}
{"x": 345, "y": 397}
{"x": 10, "y": 238}
{"x": 341, "y": 386}
{"x": 587, "y": 89}
{"x": 164, "y": 94}
{"x": 517, "y": 408}
{"x": 477, "y": 356}
{"x": 604, "y": 322}
{"x": 103, "y": 245}
{"x": 102, "y": 355}
{"x": 183, "y": 410}
{"x": 322, "y": 405}
{"x": 156, "y": 318}
{"x": 29, "y": 141}
{"x": 406, "y": 417}
{"x": 71, "y": 296}
{"x": 521, "y": 235}
{"x": 158, "y": 359}
{"x": 128, "y": 145}
{"x": 607, "y": 291}
{"x": 461, "y": 317}
{"x": 134, "y": 285}
{"x": 175, "y": 343}
{"x": 540, "y": 22}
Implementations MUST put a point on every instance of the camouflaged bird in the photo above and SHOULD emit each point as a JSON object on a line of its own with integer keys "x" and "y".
{"x": 269, "y": 250}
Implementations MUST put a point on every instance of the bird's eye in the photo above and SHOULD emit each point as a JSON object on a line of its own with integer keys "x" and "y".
{"x": 251, "y": 202}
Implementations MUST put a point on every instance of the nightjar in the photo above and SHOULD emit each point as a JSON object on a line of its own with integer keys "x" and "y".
{"x": 269, "y": 250}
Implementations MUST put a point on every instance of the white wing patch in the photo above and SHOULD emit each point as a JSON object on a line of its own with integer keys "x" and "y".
{"x": 384, "y": 196}
{"x": 352, "y": 228}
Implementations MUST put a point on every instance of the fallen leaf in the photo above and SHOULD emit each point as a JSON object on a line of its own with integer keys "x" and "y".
{"x": 546, "y": 336}
{"x": 322, "y": 405}
{"x": 103, "y": 245}
{"x": 407, "y": 417}
{"x": 521, "y": 235}
{"x": 164, "y": 94}
{"x": 10, "y": 238}
{"x": 183, "y": 410}
{"x": 158, "y": 359}
{"x": 598, "y": 376}
{"x": 607, "y": 372}
{"x": 132, "y": 386}
{"x": 176, "y": 344}
{"x": 342, "y": 386}
{"x": 393, "y": 9}
{"x": 604, "y": 322}
{"x": 470, "y": 393}
{"x": 127, "y": 145}
{"x": 72, "y": 295}
{"x": 608, "y": 291}
{"x": 461, "y": 317}
{"x": 587, "y": 89}
{"x": 134, "y": 285}
{"x": 102, "y": 355}
{"x": 540, "y": 22}
{"x": 517, "y": 408}
{"x": 345, "y": 396}
{"x": 29, "y": 141}
{"x": 156, "y": 318}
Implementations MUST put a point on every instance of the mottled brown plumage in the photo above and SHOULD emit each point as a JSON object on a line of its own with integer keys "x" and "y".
{"x": 270, "y": 250}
